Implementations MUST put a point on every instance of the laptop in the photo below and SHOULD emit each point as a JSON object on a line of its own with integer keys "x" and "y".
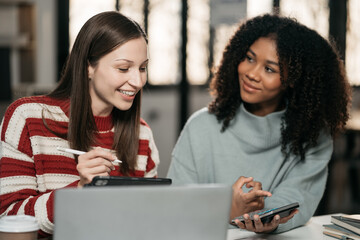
{"x": 190, "y": 212}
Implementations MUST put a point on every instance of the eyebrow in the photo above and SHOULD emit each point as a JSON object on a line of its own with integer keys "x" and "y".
{"x": 268, "y": 61}
{"x": 129, "y": 61}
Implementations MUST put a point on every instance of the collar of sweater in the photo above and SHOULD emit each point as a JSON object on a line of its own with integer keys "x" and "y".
{"x": 104, "y": 123}
{"x": 262, "y": 130}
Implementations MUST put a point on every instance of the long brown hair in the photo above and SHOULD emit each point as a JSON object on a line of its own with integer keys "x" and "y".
{"x": 99, "y": 36}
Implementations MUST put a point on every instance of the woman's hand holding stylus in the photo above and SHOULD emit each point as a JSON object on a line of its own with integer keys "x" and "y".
{"x": 97, "y": 162}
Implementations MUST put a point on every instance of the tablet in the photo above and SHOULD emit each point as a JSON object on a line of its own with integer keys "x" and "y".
{"x": 266, "y": 215}
{"x": 120, "y": 181}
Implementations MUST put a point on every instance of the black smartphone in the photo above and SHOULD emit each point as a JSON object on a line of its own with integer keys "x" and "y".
{"x": 122, "y": 181}
{"x": 266, "y": 215}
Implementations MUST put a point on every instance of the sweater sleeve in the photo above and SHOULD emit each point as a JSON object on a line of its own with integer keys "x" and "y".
{"x": 304, "y": 183}
{"x": 19, "y": 186}
{"x": 182, "y": 168}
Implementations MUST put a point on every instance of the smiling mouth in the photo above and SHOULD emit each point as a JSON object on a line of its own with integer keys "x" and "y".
{"x": 249, "y": 86}
{"x": 128, "y": 93}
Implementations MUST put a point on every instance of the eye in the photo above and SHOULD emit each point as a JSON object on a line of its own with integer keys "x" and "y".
{"x": 123, "y": 69}
{"x": 249, "y": 58}
{"x": 269, "y": 69}
{"x": 143, "y": 69}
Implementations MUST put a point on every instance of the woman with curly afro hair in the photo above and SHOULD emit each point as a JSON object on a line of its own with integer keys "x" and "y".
{"x": 280, "y": 96}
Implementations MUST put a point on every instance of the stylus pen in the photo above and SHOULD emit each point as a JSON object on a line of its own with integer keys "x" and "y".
{"x": 77, "y": 152}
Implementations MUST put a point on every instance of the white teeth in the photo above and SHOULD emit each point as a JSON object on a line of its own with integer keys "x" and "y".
{"x": 127, "y": 92}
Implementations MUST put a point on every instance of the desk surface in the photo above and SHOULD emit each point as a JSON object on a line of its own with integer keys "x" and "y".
{"x": 312, "y": 230}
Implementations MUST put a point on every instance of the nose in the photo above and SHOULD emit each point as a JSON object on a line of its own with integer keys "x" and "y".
{"x": 254, "y": 73}
{"x": 137, "y": 79}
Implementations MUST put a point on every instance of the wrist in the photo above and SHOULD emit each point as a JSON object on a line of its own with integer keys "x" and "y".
{"x": 80, "y": 185}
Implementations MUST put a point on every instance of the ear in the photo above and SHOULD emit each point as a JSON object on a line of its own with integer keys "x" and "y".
{"x": 91, "y": 71}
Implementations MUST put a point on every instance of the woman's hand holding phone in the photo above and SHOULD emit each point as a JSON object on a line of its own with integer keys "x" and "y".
{"x": 258, "y": 226}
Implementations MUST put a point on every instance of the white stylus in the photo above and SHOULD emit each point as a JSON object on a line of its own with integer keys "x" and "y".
{"x": 77, "y": 152}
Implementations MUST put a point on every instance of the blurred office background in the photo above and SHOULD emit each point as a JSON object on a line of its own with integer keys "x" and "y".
{"x": 186, "y": 40}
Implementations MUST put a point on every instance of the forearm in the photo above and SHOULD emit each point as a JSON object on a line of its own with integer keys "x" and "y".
{"x": 182, "y": 168}
{"x": 28, "y": 201}
{"x": 180, "y": 173}
{"x": 24, "y": 189}
{"x": 307, "y": 193}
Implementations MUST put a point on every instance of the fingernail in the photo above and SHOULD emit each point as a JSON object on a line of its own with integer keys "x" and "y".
{"x": 256, "y": 219}
{"x": 277, "y": 218}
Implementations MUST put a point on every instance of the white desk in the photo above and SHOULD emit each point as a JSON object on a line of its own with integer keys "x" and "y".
{"x": 312, "y": 230}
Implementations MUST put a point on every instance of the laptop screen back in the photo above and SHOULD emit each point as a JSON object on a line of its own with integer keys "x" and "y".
{"x": 143, "y": 212}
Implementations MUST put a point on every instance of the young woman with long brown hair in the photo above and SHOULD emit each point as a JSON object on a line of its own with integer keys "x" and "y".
{"x": 95, "y": 109}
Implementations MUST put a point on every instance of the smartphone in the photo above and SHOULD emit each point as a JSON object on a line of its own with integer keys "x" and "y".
{"x": 122, "y": 181}
{"x": 266, "y": 215}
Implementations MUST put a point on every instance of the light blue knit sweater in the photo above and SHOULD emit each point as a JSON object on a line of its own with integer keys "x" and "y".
{"x": 251, "y": 147}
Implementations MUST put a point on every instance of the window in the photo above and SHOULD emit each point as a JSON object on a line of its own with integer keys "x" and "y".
{"x": 352, "y": 54}
{"x": 313, "y": 14}
{"x": 82, "y": 10}
{"x": 207, "y": 35}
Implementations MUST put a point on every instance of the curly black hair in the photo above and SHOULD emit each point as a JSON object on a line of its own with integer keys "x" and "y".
{"x": 317, "y": 91}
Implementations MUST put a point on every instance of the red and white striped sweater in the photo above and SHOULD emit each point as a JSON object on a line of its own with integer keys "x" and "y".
{"x": 31, "y": 167}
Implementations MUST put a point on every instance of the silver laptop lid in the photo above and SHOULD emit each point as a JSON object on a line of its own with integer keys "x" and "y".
{"x": 143, "y": 212}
